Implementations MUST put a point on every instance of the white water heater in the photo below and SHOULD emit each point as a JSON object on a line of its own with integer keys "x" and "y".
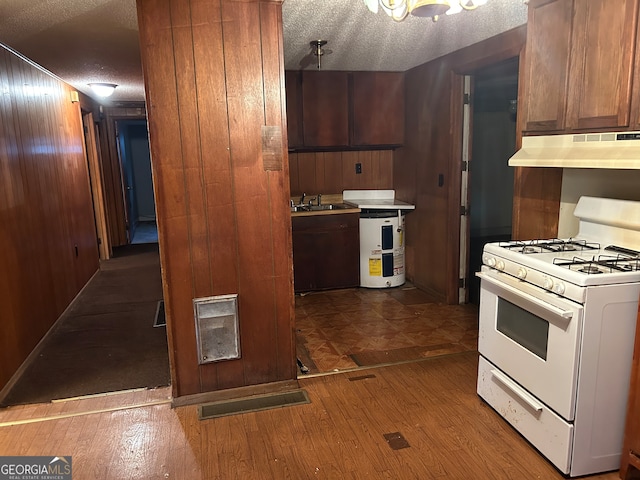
{"x": 382, "y": 236}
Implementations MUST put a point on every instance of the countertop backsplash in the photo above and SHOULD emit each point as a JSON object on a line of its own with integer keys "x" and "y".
{"x": 576, "y": 182}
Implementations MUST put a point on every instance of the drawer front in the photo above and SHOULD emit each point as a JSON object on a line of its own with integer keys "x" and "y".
{"x": 548, "y": 432}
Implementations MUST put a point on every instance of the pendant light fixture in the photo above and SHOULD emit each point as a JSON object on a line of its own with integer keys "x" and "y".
{"x": 400, "y": 9}
{"x": 318, "y": 51}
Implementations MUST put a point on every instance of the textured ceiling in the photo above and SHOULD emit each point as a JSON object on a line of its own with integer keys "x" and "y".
{"x": 361, "y": 40}
{"x": 83, "y": 41}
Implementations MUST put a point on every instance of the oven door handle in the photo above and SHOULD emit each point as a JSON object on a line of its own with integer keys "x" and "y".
{"x": 566, "y": 314}
{"x": 525, "y": 396}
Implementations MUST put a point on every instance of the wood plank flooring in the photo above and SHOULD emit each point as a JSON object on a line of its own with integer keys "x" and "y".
{"x": 451, "y": 432}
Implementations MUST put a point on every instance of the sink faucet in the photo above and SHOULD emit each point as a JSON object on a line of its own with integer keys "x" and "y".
{"x": 319, "y": 199}
{"x": 302, "y": 199}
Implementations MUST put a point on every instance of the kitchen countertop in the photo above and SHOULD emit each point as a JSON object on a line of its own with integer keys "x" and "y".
{"x": 336, "y": 211}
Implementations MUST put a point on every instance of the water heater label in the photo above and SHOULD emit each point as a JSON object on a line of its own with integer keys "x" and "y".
{"x": 375, "y": 267}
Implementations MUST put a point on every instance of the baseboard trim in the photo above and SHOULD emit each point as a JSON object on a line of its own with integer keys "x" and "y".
{"x": 235, "y": 393}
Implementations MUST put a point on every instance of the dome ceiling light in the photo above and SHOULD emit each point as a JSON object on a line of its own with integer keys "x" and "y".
{"x": 400, "y": 9}
{"x": 103, "y": 90}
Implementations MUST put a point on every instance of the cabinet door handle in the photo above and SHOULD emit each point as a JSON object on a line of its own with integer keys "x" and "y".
{"x": 517, "y": 390}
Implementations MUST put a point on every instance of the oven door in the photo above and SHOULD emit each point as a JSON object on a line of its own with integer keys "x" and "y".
{"x": 533, "y": 336}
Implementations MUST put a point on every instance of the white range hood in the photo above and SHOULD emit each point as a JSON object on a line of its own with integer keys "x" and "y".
{"x": 613, "y": 150}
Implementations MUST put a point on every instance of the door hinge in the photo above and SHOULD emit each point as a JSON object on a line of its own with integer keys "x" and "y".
{"x": 464, "y": 210}
{"x": 465, "y": 165}
{"x": 462, "y": 283}
{"x": 467, "y": 99}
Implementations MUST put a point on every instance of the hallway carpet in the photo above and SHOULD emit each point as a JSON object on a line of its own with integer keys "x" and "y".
{"x": 105, "y": 341}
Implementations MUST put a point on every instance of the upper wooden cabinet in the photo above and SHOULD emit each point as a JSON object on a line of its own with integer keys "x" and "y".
{"x": 293, "y": 87}
{"x": 330, "y": 109}
{"x": 578, "y": 66}
{"x": 546, "y": 65}
{"x": 377, "y": 108}
{"x": 325, "y": 109}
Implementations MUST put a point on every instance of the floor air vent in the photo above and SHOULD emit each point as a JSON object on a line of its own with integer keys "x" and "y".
{"x": 252, "y": 404}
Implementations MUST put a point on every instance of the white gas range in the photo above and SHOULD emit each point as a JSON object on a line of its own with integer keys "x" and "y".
{"x": 557, "y": 322}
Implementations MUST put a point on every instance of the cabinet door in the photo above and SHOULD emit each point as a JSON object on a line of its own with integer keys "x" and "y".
{"x": 325, "y": 109}
{"x": 326, "y": 251}
{"x": 631, "y": 447}
{"x": 546, "y": 65}
{"x": 603, "y": 42}
{"x": 293, "y": 88}
{"x": 339, "y": 253}
{"x": 377, "y": 108}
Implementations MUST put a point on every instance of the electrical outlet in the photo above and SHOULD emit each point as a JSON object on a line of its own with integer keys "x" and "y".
{"x": 358, "y": 168}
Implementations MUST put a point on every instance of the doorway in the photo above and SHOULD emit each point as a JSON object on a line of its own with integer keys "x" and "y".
{"x": 137, "y": 183}
{"x": 493, "y": 142}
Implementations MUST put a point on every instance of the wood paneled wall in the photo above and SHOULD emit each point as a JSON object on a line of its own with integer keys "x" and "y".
{"x": 214, "y": 80}
{"x": 427, "y": 169}
{"x": 333, "y": 172}
{"x": 48, "y": 245}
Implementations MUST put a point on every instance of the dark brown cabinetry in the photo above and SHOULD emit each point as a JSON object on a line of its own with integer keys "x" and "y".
{"x": 343, "y": 110}
{"x": 630, "y": 461}
{"x": 377, "y": 108}
{"x": 325, "y": 109}
{"x": 293, "y": 87}
{"x": 578, "y": 69}
{"x": 325, "y": 251}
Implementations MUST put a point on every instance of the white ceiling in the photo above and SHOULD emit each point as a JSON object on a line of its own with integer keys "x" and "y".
{"x": 83, "y": 41}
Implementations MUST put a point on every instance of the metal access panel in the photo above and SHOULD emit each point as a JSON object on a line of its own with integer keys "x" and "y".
{"x": 217, "y": 330}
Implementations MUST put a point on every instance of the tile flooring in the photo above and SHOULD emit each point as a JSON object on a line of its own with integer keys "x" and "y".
{"x": 358, "y": 327}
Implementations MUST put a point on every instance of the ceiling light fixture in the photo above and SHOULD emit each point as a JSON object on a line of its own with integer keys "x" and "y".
{"x": 103, "y": 89}
{"x": 400, "y": 9}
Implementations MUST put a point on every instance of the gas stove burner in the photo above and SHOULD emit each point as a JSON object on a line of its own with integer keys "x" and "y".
{"x": 530, "y": 249}
{"x": 590, "y": 269}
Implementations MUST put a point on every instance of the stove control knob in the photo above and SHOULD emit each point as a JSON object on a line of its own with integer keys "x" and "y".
{"x": 500, "y": 265}
{"x": 522, "y": 273}
{"x": 559, "y": 288}
{"x": 548, "y": 283}
{"x": 490, "y": 261}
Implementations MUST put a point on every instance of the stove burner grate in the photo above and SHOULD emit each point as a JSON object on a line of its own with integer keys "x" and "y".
{"x": 549, "y": 245}
{"x": 602, "y": 264}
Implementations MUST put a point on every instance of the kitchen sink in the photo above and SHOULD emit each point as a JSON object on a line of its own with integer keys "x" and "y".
{"x": 316, "y": 208}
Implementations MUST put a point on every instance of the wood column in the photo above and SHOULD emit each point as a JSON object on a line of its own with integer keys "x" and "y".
{"x": 214, "y": 81}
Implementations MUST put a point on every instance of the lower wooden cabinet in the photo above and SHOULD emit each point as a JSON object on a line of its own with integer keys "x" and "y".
{"x": 630, "y": 461}
{"x": 326, "y": 251}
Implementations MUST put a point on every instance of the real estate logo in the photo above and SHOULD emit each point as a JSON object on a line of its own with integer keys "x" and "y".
{"x": 35, "y": 468}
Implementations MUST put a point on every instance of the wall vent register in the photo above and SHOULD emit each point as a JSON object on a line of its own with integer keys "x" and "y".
{"x": 217, "y": 328}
